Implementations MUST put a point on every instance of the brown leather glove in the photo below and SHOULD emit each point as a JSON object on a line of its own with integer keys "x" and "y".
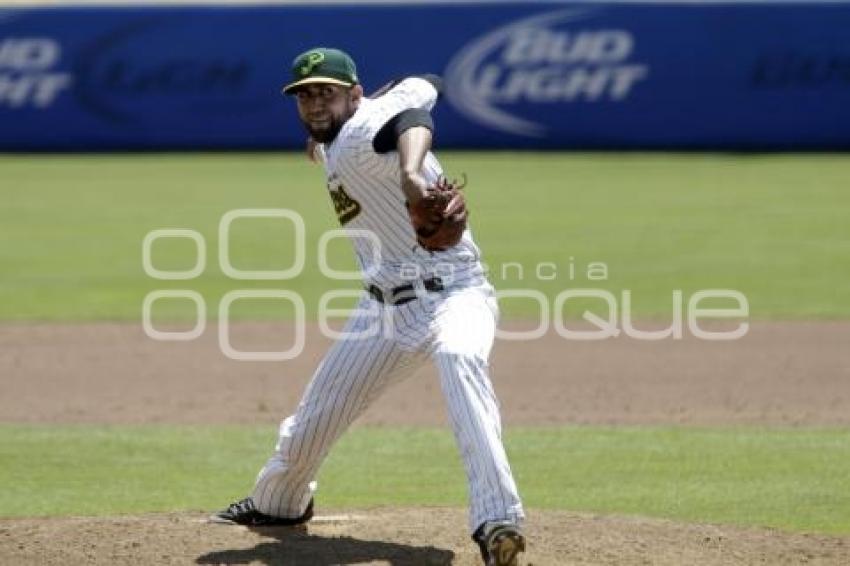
{"x": 439, "y": 218}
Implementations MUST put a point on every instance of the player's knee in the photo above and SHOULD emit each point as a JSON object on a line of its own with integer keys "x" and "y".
{"x": 461, "y": 361}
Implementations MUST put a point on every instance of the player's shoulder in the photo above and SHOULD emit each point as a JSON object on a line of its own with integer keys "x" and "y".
{"x": 358, "y": 132}
{"x": 410, "y": 92}
{"x": 418, "y": 88}
{"x": 373, "y": 113}
{"x": 365, "y": 115}
{"x": 355, "y": 137}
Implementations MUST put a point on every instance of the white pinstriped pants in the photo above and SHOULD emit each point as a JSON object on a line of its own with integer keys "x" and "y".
{"x": 456, "y": 330}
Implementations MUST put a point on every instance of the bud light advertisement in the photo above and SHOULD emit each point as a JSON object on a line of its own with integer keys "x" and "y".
{"x": 535, "y": 75}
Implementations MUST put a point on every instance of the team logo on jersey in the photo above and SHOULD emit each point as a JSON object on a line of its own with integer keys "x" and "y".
{"x": 530, "y": 65}
{"x": 346, "y": 207}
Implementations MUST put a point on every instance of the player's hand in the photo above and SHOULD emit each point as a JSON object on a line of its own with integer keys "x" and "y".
{"x": 439, "y": 216}
{"x": 312, "y": 150}
{"x": 414, "y": 186}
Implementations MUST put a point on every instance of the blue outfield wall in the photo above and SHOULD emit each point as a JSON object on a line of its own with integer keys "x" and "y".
{"x": 518, "y": 75}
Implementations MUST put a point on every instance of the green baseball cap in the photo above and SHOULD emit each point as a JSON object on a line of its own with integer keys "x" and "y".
{"x": 322, "y": 65}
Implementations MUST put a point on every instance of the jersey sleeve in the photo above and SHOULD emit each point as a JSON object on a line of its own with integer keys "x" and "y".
{"x": 412, "y": 92}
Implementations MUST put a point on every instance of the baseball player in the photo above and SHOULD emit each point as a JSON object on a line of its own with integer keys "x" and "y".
{"x": 427, "y": 298}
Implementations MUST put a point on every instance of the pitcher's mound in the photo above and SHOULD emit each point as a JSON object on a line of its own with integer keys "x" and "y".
{"x": 408, "y": 536}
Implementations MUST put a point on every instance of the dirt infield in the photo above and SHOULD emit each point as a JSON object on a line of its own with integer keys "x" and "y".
{"x": 779, "y": 374}
{"x": 411, "y": 537}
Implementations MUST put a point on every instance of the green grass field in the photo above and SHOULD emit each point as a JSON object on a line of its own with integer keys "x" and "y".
{"x": 773, "y": 227}
{"x": 790, "y": 479}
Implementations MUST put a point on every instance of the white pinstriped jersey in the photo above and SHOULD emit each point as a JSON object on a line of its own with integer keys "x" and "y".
{"x": 365, "y": 187}
{"x": 454, "y": 328}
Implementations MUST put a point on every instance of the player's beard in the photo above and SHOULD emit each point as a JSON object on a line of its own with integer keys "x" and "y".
{"x": 327, "y": 133}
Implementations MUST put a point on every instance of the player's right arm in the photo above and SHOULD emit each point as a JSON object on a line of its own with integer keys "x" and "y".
{"x": 315, "y": 151}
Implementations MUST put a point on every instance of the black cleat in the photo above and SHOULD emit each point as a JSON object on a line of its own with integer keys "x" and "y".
{"x": 244, "y": 513}
{"x": 500, "y": 543}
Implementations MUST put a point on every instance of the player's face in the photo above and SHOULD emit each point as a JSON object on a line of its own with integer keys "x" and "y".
{"x": 324, "y": 108}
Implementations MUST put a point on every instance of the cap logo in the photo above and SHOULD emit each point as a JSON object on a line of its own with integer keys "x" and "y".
{"x": 314, "y": 58}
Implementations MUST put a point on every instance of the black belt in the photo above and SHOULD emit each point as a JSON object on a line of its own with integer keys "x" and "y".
{"x": 405, "y": 293}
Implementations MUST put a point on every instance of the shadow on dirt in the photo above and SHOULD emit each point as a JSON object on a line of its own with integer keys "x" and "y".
{"x": 297, "y": 546}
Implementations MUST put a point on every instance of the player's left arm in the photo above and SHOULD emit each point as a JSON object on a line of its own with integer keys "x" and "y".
{"x": 387, "y": 138}
{"x": 413, "y": 144}
{"x": 437, "y": 210}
